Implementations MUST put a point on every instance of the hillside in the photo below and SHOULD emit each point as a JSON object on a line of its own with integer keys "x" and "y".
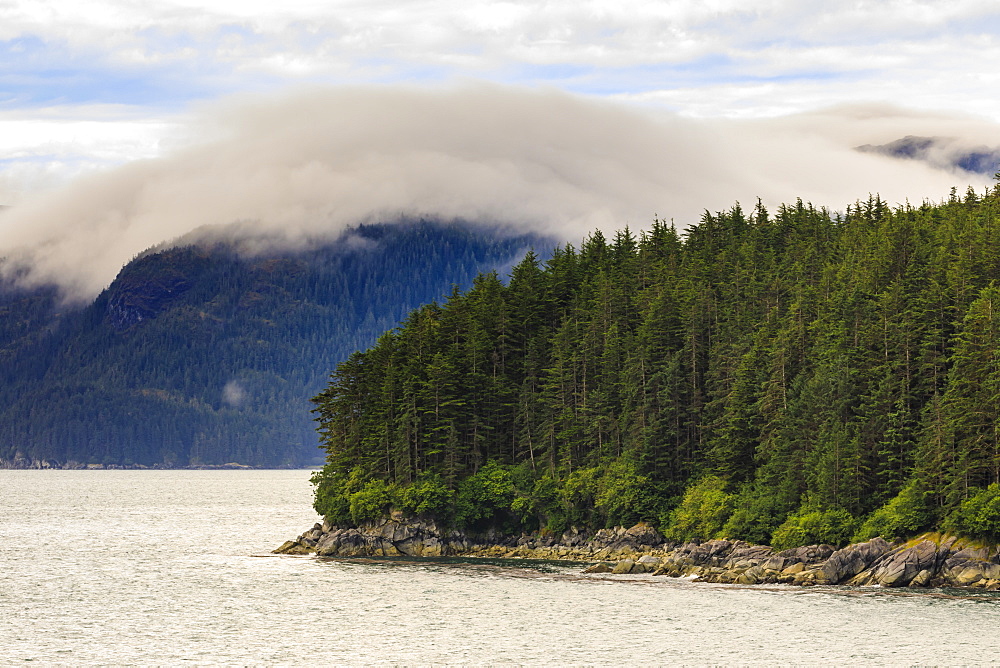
{"x": 788, "y": 378}
{"x": 196, "y": 355}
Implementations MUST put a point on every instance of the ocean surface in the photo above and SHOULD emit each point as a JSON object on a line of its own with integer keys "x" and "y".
{"x": 172, "y": 567}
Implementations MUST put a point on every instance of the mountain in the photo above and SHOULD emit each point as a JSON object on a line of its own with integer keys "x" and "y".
{"x": 199, "y": 355}
{"x": 940, "y": 152}
{"x": 792, "y": 378}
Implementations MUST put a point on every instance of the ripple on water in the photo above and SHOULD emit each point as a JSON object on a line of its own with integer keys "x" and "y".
{"x": 162, "y": 567}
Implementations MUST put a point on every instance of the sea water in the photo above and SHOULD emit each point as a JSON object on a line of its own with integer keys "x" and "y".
{"x": 169, "y": 567}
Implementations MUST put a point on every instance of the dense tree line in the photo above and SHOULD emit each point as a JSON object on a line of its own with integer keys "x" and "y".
{"x": 789, "y": 377}
{"x": 200, "y": 355}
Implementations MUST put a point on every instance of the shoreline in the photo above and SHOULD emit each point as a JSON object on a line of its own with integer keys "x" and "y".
{"x": 20, "y": 464}
{"x": 928, "y": 560}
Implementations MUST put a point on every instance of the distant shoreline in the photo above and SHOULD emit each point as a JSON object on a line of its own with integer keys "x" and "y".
{"x": 46, "y": 465}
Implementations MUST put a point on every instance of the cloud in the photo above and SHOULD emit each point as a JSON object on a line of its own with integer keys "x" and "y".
{"x": 924, "y": 51}
{"x": 718, "y": 58}
{"x": 286, "y": 170}
{"x": 234, "y": 394}
{"x": 43, "y": 148}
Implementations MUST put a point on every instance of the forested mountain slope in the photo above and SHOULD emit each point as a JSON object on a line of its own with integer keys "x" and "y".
{"x": 198, "y": 356}
{"x": 789, "y": 378}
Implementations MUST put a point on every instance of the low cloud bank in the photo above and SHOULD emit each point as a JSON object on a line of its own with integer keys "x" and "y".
{"x": 291, "y": 170}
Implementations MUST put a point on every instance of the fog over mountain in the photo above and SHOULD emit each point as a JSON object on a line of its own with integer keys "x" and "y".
{"x": 285, "y": 171}
{"x": 942, "y": 152}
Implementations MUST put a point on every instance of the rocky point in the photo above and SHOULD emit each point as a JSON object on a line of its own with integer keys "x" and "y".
{"x": 930, "y": 560}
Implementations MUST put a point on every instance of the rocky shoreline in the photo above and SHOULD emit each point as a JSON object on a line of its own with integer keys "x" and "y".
{"x": 929, "y": 560}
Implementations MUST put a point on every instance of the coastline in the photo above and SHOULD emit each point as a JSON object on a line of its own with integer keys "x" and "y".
{"x": 24, "y": 464}
{"x": 928, "y": 560}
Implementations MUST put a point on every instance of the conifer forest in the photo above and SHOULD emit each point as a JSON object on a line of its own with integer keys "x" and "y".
{"x": 780, "y": 377}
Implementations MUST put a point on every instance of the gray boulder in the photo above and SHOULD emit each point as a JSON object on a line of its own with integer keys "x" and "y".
{"x": 851, "y": 560}
{"x": 744, "y": 556}
{"x": 293, "y": 547}
{"x": 808, "y": 554}
{"x": 903, "y": 565}
{"x": 969, "y": 573}
{"x": 623, "y": 567}
{"x": 599, "y": 567}
{"x": 932, "y": 560}
{"x": 643, "y": 534}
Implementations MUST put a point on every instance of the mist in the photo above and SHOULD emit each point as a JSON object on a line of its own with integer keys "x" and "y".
{"x": 292, "y": 170}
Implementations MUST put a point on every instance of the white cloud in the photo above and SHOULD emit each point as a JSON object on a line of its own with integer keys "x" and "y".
{"x": 234, "y": 393}
{"x": 305, "y": 165}
{"x": 477, "y": 38}
{"x": 45, "y": 148}
{"x": 93, "y": 83}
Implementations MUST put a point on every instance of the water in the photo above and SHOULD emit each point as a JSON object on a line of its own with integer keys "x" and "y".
{"x": 167, "y": 567}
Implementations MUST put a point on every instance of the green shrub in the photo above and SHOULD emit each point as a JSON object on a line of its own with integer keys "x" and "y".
{"x": 702, "y": 512}
{"x": 538, "y": 506}
{"x": 620, "y": 494}
{"x": 810, "y": 527}
{"x": 978, "y": 516}
{"x": 373, "y": 501}
{"x": 577, "y": 494}
{"x": 428, "y": 495}
{"x": 331, "y": 498}
{"x": 906, "y": 514}
{"x": 756, "y": 514}
{"x": 485, "y": 497}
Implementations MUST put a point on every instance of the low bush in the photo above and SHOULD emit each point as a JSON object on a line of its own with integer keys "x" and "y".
{"x": 428, "y": 495}
{"x": 373, "y": 501}
{"x": 620, "y": 494}
{"x": 485, "y": 498}
{"x": 906, "y": 514}
{"x": 703, "y": 511}
{"x": 331, "y": 498}
{"x": 978, "y": 516}
{"x": 814, "y": 526}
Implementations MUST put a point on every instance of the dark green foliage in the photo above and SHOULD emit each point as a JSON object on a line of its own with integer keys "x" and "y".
{"x": 623, "y": 494}
{"x": 702, "y": 512}
{"x": 756, "y": 514}
{"x": 906, "y": 514}
{"x": 814, "y": 526}
{"x": 979, "y": 515}
{"x": 793, "y": 376}
{"x": 333, "y": 492}
{"x": 372, "y": 501}
{"x": 198, "y": 355}
{"x": 486, "y": 495}
{"x": 429, "y": 495}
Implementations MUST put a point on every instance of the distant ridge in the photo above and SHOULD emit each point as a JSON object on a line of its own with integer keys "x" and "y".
{"x": 197, "y": 356}
{"x": 940, "y": 152}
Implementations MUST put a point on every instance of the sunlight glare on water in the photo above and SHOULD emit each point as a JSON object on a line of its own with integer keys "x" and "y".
{"x": 164, "y": 567}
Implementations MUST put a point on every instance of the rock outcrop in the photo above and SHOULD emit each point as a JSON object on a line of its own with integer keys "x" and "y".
{"x": 930, "y": 560}
{"x": 852, "y": 560}
{"x": 401, "y": 536}
{"x": 393, "y": 537}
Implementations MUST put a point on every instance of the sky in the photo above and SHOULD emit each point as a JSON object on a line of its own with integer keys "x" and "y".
{"x": 126, "y": 124}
